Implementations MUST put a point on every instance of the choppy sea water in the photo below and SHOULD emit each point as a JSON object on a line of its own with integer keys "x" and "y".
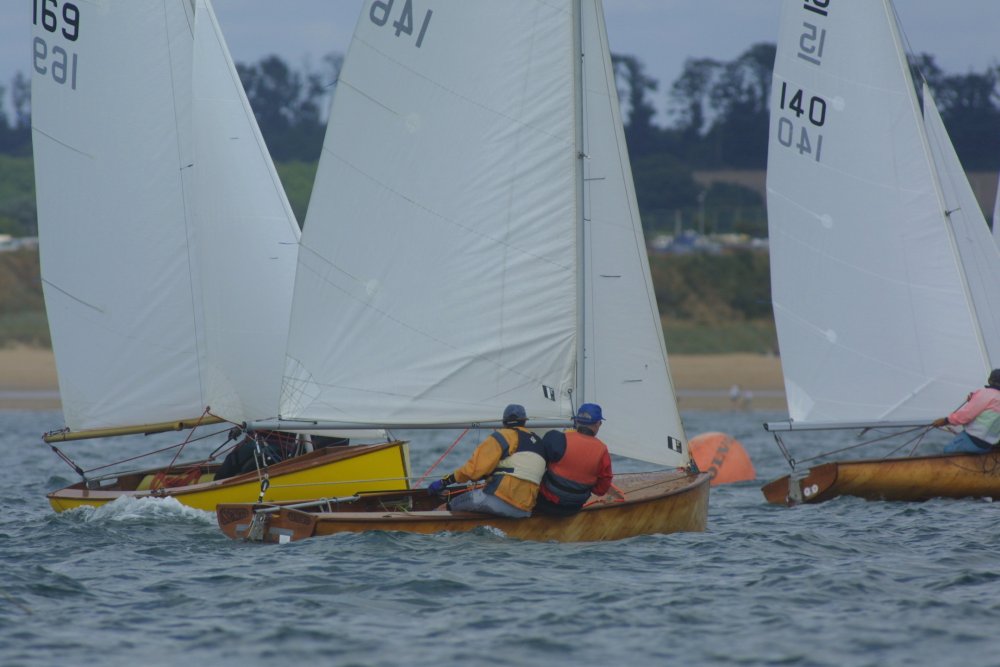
{"x": 848, "y": 582}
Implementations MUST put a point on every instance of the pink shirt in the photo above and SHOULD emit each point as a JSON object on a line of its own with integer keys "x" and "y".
{"x": 980, "y": 415}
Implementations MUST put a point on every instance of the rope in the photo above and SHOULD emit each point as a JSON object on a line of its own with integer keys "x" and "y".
{"x": 188, "y": 438}
{"x": 784, "y": 450}
{"x": 72, "y": 464}
{"x": 83, "y": 473}
{"x": 441, "y": 458}
{"x": 921, "y": 432}
{"x": 621, "y": 495}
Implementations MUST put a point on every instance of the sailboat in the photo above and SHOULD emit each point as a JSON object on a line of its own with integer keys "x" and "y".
{"x": 883, "y": 271}
{"x": 475, "y": 224}
{"x": 168, "y": 251}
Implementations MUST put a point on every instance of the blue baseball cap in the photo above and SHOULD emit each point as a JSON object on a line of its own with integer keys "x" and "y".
{"x": 589, "y": 413}
{"x": 514, "y": 413}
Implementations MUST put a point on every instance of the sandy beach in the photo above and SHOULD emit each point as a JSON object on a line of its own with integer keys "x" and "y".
{"x": 28, "y": 379}
{"x": 706, "y": 381}
{"x": 703, "y": 382}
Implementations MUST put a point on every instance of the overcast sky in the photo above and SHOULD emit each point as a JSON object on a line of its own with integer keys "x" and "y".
{"x": 961, "y": 34}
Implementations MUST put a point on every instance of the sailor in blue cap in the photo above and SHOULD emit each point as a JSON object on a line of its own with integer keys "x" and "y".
{"x": 579, "y": 465}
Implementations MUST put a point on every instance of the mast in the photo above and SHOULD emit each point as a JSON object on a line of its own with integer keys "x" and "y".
{"x": 581, "y": 264}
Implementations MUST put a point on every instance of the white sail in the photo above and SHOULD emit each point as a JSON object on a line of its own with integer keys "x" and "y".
{"x": 247, "y": 237}
{"x": 130, "y": 253}
{"x": 626, "y": 369}
{"x": 979, "y": 257}
{"x": 444, "y": 231}
{"x": 875, "y": 318}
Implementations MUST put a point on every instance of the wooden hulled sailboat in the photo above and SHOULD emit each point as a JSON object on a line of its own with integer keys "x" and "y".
{"x": 649, "y": 503}
{"x": 884, "y": 274}
{"x": 168, "y": 249}
{"x": 475, "y": 167}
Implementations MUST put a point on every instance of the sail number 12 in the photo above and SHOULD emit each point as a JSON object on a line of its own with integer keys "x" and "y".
{"x": 811, "y": 111}
{"x": 59, "y": 20}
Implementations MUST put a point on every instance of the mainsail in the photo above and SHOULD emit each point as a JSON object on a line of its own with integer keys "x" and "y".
{"x": 473, "y": 238}
{"x": 167, "y": 246}
{"x": 881, "y": 311}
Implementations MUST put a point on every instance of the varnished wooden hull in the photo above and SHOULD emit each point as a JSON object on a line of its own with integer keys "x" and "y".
{"x": 325, "y": 472}
{"x": 906, "y": 479}
{"x": 663, "y": 502}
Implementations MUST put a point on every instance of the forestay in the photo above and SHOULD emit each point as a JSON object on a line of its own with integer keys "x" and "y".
{"x": 878, "y": 319}
{"x": 156, "y": 203}
{"x": 457, "y": 254}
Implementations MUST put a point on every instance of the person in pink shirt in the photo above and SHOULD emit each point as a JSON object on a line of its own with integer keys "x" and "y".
{"x": 980, "y": 417}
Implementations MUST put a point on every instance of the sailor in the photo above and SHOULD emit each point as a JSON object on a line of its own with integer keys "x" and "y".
{"x": 511, "y": 460}
{"x": 256, "y": 451}
{"x": 579, "y": 465}
{"x": 980, "y": 415}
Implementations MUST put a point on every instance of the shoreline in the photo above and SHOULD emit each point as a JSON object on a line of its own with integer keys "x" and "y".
{"x": 705, "y": 381}
{"x": 28, "y": 380}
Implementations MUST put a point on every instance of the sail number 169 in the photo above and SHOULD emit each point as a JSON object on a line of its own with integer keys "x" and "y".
{"x": 48, "y": 12}
{"x": 59, "y": 20}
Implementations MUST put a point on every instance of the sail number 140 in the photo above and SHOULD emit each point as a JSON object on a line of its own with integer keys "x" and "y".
{"x": 808, "y": 112}
{"x": 61, "y": 21}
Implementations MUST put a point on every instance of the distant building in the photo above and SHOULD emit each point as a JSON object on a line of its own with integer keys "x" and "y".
{"x": 10, "y": 243}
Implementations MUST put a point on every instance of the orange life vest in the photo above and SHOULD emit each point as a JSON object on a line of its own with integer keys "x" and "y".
{"x": 571, "y": 478}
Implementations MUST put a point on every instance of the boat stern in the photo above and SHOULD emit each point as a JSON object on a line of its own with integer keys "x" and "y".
{"x": 259, "y": 523}
{"x": 810, "y": 486}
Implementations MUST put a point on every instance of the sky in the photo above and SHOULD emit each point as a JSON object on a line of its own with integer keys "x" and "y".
{"x": 662, "y": 34}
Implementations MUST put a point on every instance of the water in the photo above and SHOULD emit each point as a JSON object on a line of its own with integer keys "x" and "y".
{"x": 153, "y": 583}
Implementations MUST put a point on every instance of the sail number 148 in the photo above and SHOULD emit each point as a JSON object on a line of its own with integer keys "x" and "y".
{"x": 381, "y": 10}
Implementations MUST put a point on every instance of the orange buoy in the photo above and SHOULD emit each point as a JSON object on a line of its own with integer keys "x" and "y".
{"x": 723, "y": 457}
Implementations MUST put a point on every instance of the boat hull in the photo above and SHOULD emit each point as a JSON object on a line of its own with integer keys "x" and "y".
{"x": 904, "y": 479}
{"x": 664, "y": 502}
{"x": 318, "y": 474}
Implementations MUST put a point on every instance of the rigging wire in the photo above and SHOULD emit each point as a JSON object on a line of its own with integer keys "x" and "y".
{"x": 919, "y": 431}
{"x": 179, "y": 447}
{"x": 441, "y": 458}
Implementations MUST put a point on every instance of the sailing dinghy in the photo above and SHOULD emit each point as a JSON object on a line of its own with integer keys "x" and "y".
{"x": 168, "y": 251}
{"x": 474, "y": 222}
{"x": 884, "y": 275}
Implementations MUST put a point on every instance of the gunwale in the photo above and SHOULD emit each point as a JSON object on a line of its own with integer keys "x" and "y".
{"x": 914, "y": 479}
{"x": 654, "y": 503}
{"x": 382, "y": 466}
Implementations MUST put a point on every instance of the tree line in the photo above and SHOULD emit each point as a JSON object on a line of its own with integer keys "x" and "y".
{"x": 15, "y": 130}
{"x": 718, "y": 119}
